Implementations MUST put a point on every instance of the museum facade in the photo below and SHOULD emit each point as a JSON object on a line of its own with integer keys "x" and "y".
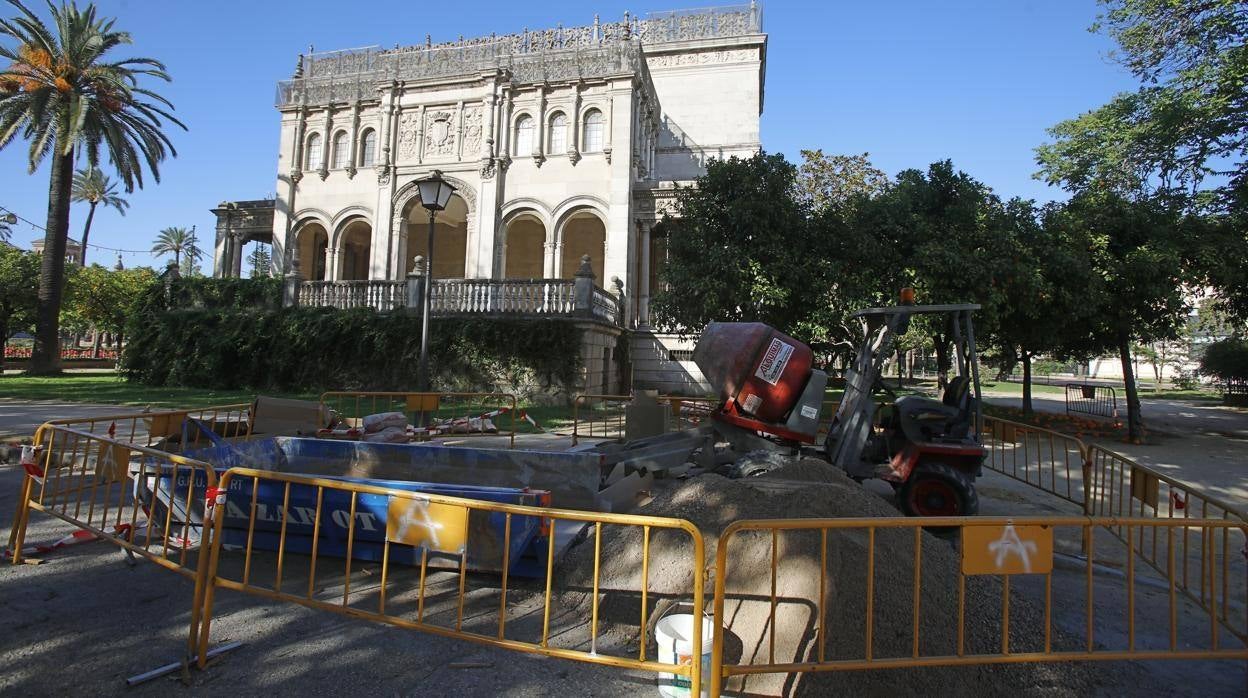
{"x": 562, "y": 143}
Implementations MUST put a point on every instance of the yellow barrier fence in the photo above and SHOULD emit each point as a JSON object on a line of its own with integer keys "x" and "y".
{"x": 164, "y": 428}
{"x": 852, "y": 594}
{"x": 451, "y": 415}
{"x": 419, "y": 549}
{"x": 148, "y": 502}
{"x": 602, "y": 416}
{"x": 1043, "y": 458}
{"x": 1121, "y": 487}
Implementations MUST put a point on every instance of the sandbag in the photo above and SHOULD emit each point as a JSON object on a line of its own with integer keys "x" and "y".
{"x": 374, "y": 423}
{"x": 390, "y": 435}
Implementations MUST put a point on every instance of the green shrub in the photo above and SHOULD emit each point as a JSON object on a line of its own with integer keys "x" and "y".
{"x": 1226, "y": 360}
{"x": 212, "y": 294}
{"x": 292, "y": 349}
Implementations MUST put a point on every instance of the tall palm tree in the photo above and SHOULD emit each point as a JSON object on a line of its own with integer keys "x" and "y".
{"x": 179, "y": 242}
{"x": 95, "y": 188}
{"x": 63, "y": 91}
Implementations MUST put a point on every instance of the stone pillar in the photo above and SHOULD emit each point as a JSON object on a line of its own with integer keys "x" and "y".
{"x": 290, "y": 287}
{"x": 548, "y": 257}
{"x": 643, "y": 305}
{"x": 326, "y": 142}
{"x": 416, "y": 287}
{"x": 583, "y": 290}
{"x": 621, "y": 242}
{"x": 237, "y": 259}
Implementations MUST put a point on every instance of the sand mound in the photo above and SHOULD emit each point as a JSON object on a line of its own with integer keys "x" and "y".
{"x": 811, "y": 488}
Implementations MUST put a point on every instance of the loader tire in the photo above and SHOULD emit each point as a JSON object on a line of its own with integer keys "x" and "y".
{"x": 936, "y": 489}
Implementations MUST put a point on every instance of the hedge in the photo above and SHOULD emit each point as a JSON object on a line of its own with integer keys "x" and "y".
{"x": 297, "y": 349}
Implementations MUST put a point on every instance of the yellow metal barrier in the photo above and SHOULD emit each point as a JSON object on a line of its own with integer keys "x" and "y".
{"x": 1043, "y": 458}
{"x": 602, "y": 416}
{"x": 903, "y": 597}
{"x": 150, "y": 503}
{"x": 430, "y": 407}
{"x": 433, "y": 596}
{"x": 163, "y": 428}
{"x": 1121, "y": 487}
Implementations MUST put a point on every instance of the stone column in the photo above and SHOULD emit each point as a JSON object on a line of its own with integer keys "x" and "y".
{"x": 354, "y": 156}
{"x": 643, "y": 306}
{"x": 548, "y": 257}
{"x": 238, "y": 255}
{"x": 326, "y": 142}
{"x": 583, "y": 289}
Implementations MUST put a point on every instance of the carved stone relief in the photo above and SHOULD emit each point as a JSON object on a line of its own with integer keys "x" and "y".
{"x": 409, "y": 137}
{"x": 672, "y": 60}
{"x": 472, "y": 131}
{"x": 439, "y": 134}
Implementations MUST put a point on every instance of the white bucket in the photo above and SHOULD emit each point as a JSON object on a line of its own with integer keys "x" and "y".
{"x": 674, "y": 636}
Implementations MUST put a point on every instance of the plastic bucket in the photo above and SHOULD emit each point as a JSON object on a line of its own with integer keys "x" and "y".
{"x": 674, "y": 636}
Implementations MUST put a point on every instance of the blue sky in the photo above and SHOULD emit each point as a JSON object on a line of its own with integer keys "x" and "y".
{"x": 910, "y": 82}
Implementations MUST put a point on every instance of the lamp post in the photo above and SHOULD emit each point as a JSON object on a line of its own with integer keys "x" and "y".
{"x": 435, "y": 192}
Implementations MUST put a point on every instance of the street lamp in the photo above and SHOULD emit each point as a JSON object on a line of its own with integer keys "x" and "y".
{"x": 435, "y": 193}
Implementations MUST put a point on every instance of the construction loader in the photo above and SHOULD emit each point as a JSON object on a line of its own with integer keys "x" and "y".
{"x": 928, "y": 449}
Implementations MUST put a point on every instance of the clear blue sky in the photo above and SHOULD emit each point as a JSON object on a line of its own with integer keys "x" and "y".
{"x": 911, "y": 82}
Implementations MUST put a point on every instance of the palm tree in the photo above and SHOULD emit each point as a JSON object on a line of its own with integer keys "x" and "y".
{"x": 95, "y": 188}
{"x": 62, "y": 92}
{"x": 179, "y": 242}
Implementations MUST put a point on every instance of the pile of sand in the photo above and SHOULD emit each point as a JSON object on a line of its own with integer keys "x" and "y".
{"x": 811, "y": 488}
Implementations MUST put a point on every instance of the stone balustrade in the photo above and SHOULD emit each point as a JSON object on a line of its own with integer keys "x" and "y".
{"x": 576, "y": 298}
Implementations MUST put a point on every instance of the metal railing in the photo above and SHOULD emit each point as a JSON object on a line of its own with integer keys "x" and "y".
{"x": 603, "y": 416}
{"x": 1092, "y": 399}
{"x": 433, "y": 415}
{"x": 1043, "y": 458}
{"x": 167, "y": 429}
{"x": 269, "y": 567}
{"x": 148, "y": 502}
{"x": 990, "y": 553}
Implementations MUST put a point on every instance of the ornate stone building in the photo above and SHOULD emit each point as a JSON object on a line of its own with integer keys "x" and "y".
{"x": 562, "y": 143}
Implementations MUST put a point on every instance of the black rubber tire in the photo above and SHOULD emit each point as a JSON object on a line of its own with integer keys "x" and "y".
{"x": 936, "y": 489}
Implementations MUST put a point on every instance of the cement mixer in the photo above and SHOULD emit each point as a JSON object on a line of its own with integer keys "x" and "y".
{"x": 928, "y": 450}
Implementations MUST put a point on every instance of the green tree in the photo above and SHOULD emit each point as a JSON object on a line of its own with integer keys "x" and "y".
{"x": 940, "y": 231}
{"x": 65, "y": 92}
{"x": 741, "y": 248}
{"x": 19, "y": 279}
{"x": 105, "y": 299}
{"x": 837, "y": 180}
{"x": 260, "y": 261}
{"x": 1226, "y": 360}
{"x": 1045, "y": 308}
{"x": 1139, "y": 250}
{"x": 179, "y": 242}
{"x": 95, "y": 188}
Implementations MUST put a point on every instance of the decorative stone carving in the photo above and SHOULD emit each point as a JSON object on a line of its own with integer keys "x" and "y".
{"x": 351, "y": 171}
{"x": 383, "y": 175}
{"x": 574, "y": 155}
{"x": 487, "y": 168}
{"x": 673, "y": 60}
{"x": 439, "y": 134}
{"x": 409, "y": 137}
{"x": 296, "y": 176}
{"x": 472, "y": 131}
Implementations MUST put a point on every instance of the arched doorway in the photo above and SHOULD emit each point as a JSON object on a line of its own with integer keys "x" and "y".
{"x": 526, "y": 245}
{"x": 313, "y": 240}
{"x": 584, "y": 233}
{"x": 353, "y": 250}
{"x": 450, "y": 238}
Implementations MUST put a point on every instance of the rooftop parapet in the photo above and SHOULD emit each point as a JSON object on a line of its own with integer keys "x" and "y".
{"x": 546, "y": 55}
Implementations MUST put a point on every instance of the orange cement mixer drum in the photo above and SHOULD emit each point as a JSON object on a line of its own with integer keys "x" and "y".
{"x": 761, "y": 368}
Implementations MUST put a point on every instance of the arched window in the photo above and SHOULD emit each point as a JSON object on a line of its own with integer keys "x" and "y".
{"x": 593, "y": 131}
{"x": 524, "y": 136}
{"x": 558, "y": 135}
{"x": 368, "y": 148}
{"x": 314, "y": 152}
{"x": 342, "y": 152}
